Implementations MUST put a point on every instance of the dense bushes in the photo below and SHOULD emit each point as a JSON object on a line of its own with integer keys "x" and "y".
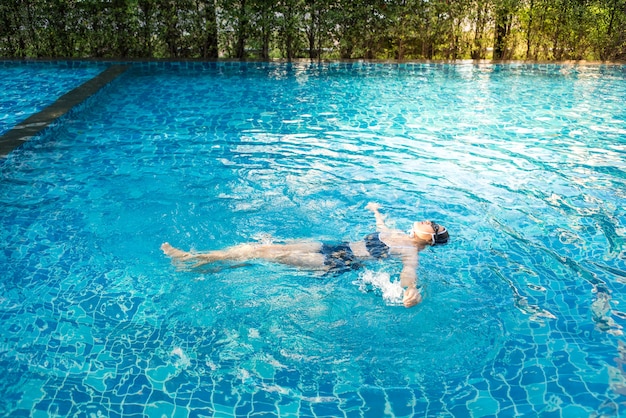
{"x": 316, "y": 29}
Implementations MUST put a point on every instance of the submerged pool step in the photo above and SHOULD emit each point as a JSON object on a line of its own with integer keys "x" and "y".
{"x": 34, "y": 124}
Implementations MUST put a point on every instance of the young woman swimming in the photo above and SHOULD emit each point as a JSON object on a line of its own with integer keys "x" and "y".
{"x": 383, "y": 243}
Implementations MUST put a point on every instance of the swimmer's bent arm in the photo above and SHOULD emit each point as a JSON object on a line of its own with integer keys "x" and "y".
{"x": 380, "y": 220}
{"x": 408, "y": 280}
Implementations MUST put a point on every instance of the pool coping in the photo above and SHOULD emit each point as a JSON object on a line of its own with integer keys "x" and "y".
{"x": 39, "y": 121}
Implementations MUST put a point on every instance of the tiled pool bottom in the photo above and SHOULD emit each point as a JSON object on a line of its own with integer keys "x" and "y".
{"x": 523, "y": 323}
{"x": 98, "y": 349}
{"x": 138, "y": 369}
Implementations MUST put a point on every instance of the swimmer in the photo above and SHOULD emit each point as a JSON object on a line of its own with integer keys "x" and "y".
{"x": 383, "y": 243}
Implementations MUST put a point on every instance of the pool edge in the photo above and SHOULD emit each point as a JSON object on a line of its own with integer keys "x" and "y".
{"x": 37, "y": 122}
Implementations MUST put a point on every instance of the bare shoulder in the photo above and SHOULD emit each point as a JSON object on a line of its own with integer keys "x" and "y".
{"x": 393, "y": 234}
{"x": 394, "y": 238}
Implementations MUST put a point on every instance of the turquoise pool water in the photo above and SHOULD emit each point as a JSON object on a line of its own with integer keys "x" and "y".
{"x": 523, "y": 310}
{"x": 27, "y": 89}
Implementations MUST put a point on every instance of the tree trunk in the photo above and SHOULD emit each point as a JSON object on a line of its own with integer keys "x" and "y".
{"x": 499, "y": 46}
{"x": 529, "y": 29}
{"x": 147, "y": 9}
{"x": 477, "y": 50}
{"x": 608, "y": 48}
{"x": 242, "y": 29}
{"x": 210, "y": 49}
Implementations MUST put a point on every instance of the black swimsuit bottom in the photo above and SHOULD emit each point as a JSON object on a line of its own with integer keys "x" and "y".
{"x": 339, "y": 257}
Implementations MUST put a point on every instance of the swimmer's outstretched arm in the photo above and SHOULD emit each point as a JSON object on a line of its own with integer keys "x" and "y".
{"x": 408, "y": 279}
{"x": 408, "y": 276}
{"x": 380, "y": 220}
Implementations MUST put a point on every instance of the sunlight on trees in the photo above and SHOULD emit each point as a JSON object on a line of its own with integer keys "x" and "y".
{"x": 315, "y": 29}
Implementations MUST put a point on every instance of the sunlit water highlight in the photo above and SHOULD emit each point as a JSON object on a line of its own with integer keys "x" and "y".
{"x": 522, "y": 310}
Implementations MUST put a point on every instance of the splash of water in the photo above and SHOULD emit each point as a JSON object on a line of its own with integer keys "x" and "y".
{"x": 381, "y": 283}
{"x": 181, "y": 360}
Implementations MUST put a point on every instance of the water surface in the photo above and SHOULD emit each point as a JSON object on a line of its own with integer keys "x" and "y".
{"x": 522, "y": 311}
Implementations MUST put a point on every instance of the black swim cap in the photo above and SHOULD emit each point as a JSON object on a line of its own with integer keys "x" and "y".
{"x": 441, "y": 235}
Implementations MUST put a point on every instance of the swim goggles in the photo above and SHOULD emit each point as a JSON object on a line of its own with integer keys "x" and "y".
{"x": 439, "y": 230}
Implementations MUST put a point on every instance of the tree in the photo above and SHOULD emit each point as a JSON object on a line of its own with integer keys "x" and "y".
{"x": 371, "y": 29}
{"x": 202, "y": 30}
{"x": 289, "y": 18}
{"x": 147, "y": 16}
{"x": 315, "y": 14}
{"x": 504, "y": 13}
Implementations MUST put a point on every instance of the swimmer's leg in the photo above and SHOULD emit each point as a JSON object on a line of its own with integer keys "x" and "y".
{"x": 237, "y": 253}
{"x": 175, "y": 253}
{"x": 301, "y": 255}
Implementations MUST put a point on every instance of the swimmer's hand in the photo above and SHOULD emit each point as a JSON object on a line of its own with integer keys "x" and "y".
{"x": 380, "y": 219}
{"x": 411, "y": 297}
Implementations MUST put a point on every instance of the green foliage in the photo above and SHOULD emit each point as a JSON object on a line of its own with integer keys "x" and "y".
{"x": 315, "y": 29}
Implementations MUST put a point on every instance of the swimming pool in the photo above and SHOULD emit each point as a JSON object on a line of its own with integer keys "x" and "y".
{"x": 522, "y": 311}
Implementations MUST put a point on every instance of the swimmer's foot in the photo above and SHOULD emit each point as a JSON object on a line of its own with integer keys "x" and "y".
{"x": 175, "y": 253}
